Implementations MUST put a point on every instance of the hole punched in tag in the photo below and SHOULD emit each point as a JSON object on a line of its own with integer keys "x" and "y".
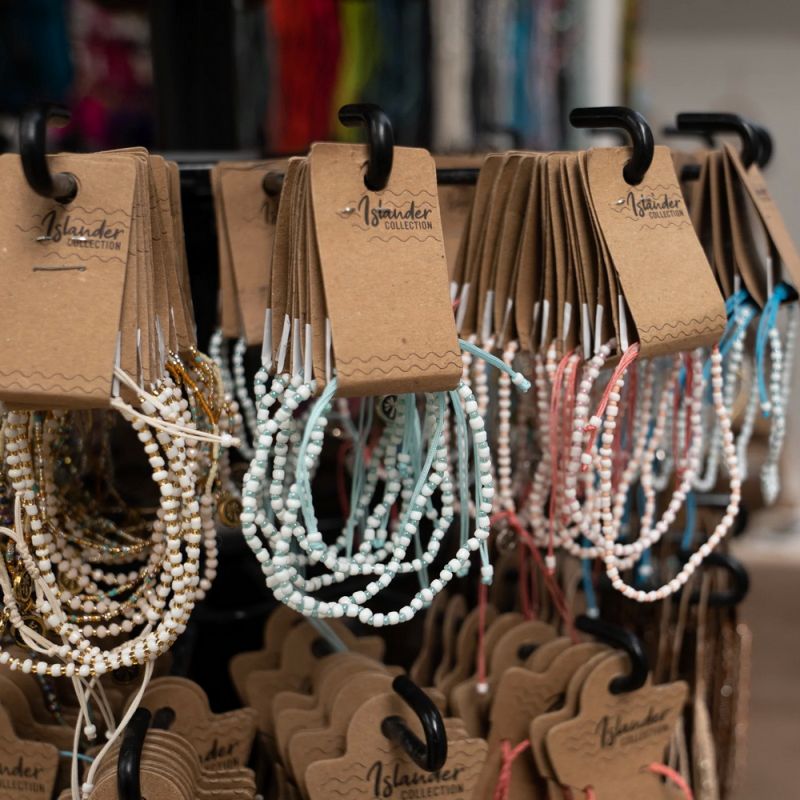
{"x": 63, "y": 186}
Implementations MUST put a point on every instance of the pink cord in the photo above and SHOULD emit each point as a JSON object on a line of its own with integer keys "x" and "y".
{"x": 503, "y": 784}
{"x": 551, "y": 583}
{"x": 672, "y": 775}
{"x": 658, "y": 769}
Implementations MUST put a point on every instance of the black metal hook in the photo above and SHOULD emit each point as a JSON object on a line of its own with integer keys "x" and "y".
{"x": 431, "y": 754}
{"x": 624, "y": 640}
{"x": 628, "y": 120}
{"x": 130, "y": 756}
{"x": 380, "y": 140}
{"x": 765, "y": 149}
{"x": 705, "y": 136}
{"x": 32, "y": 147}
{"x": 718, "y": 122}
{"x": 740, "y": 580}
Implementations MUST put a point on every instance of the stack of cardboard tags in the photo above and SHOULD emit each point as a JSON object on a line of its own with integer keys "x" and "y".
{"x": 534, "y": 693}
{"x": 757, "y": 268}
{"x": 39, "y": 709}
{"x": 188, "y": 752}
{"x": 560, "y": 250}
{"x": 104, "y": 275}
{"x": 320, "y": 717}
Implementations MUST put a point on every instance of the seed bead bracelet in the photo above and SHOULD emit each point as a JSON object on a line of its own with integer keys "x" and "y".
{"x": 780, "y": 386}
{"x": 722, "y": 527}
{"x": 174, "y": 579}
{"x": 284, "y": 578}
{"x": 75, "y": 635}
{"x": 280, "y": 563}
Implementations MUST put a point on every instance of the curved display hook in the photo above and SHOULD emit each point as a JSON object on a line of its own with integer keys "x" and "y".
{"x": 624, "y": 640}
{"x": 717, "y": 122}
{"x": 32, "y": 147}
{"x": 380, "y": 140}
{"x": 706, "y": 137}
{"x": 766, "y": 149}
{"x": 628, "y": 120}
{"x": 740, "y": 580}
{"x": 431, "y": 754}
{"x": 130, "y": 756}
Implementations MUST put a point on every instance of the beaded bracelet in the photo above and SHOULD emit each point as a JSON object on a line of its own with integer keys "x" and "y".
{"x": 417, "y": 475}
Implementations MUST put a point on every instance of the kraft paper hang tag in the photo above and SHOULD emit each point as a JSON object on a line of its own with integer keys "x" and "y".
{"x": 521, "y": 696}
{"x": 27, "y": 768}
{"x": 294, "y": 674}
{"x": 527, "y": 288}
{"x": 374, "y": 766}
{"x": 154, "y": 785}
{"x": 742, "y": 226}
{"x": 275, "y": 319}
{"x": 541, "y": 658}
{"x": 421, "y": 671}
{"x": 249, "y": 215}
{"x": 756, "y": 186}
{"x": 290, "y": 720}
{"x": 221, "y": 740}
{"x": 722, "y": 210}
{"x": 466, "y": 647}
{"x": 541, "y": 724}
{"x": 183, "y": 264}
{"x": 62, "y": 270}
{"x": 229, "y": 319}
{"x": 455, "y": 203}
{"x": 467, "y": 259}
{"x": 328, "y": 741}
{"x": 171, "y": 754}
{"x": 280, "y": 621}
{"x": 665, "y": 278}
{"x": 487, "y": 268}
{"x": 509, "y": 243}
{"x": 466, "y": 700}
{"x": 385, "y": 275}
{"x": 176, "y": 335}
{"x": 615, "y": 737}
{"x": 453, "y": 618}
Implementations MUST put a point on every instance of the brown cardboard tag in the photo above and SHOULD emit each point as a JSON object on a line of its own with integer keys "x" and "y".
{"x": 421, "y": 671}
{"x": 63, "y": 293}
{"x": 453, "y": 618}
{"x": 249, "y": 215}
{"x": 229, "y": 319}
{"x": 375, "y": 767}
{"x": 521, "y": 696}
{"x": 466, "y": 700}
{"x": 665, "y": 278}
{"x": 471, "y": 243}
{"x": 27, "y": 768}
{"x": 614, "y": 737}
{"x": 385, "y": 275}
{"x": 466, "y": 646}
{"x": 221, "y": 740}
{"x": 180, "y": 244}
{"x": 326, "y": 742}
{"x": 756, "y": 186}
